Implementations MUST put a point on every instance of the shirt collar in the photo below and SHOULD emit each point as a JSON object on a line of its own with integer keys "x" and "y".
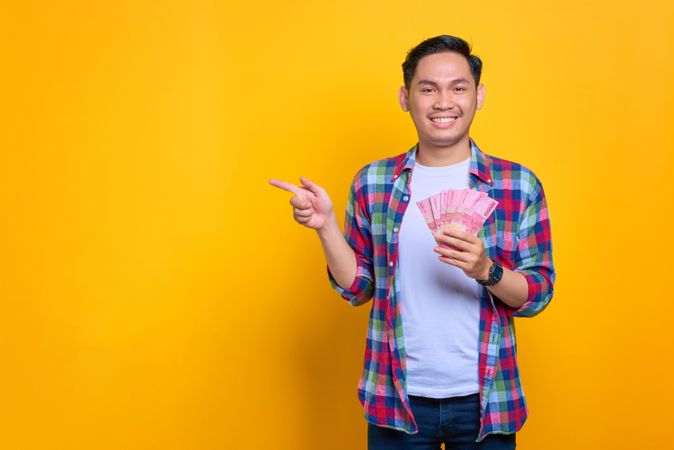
{"x": 479, "y": 163}
{"x": 405, "y": 162}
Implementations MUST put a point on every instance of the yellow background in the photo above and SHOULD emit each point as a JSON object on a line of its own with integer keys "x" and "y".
{"x": 155, "y": 292}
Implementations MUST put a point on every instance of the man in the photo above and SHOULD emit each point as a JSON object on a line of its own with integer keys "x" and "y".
{"x": 440, "y": 363}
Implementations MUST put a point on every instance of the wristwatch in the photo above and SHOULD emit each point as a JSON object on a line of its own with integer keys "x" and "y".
{"x": 495, "y": 275}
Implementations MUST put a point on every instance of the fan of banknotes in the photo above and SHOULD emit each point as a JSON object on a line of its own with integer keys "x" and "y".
{"x": 460, "y": 209}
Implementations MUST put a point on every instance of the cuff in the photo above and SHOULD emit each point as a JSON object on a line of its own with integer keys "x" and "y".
{"x": 360, "y": 290}
{"x": 538, "y": 296}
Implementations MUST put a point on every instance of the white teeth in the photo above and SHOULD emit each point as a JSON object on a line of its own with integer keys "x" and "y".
{"x": 443, "y": 119}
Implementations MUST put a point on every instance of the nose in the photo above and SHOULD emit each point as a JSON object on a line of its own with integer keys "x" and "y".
{"x": 443, "y": 100}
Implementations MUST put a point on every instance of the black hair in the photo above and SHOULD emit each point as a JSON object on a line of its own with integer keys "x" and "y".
{"x": 437, "y": 44}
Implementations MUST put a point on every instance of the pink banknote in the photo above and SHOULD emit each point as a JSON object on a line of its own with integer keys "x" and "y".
{"x": 460, "y": 209}
{"x": 426, "y": 211}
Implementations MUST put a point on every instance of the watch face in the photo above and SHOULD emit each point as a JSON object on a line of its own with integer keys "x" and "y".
{"x": 497, "y": 274}
{"x": 498, "y": 270}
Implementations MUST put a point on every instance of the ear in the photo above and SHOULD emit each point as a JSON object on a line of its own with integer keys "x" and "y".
{"x": 402, "y": 98}
{"x": 480, "y": 96}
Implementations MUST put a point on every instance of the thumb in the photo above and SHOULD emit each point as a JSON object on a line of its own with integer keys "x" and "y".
{"x": 313, "y": 187}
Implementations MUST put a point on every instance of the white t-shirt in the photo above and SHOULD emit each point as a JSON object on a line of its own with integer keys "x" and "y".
{"x": 440, "y": 304}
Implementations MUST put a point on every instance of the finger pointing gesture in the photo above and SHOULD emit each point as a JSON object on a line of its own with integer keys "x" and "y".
{"x": 312, "y": 206}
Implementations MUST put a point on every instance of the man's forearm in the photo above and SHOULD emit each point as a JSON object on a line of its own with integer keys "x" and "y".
{"x": 339, "y": 255}
{"x": 512, "y": 290}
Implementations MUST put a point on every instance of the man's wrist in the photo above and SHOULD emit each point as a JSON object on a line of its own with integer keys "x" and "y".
{"x": 331, "y": 226}
{"x": 484, "y": 275}
{"x": 494, "y": 276}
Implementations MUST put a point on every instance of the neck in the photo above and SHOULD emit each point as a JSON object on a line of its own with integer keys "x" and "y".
{"x": 435, "y": 156}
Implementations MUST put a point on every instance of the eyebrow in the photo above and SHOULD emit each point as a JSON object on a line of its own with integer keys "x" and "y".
{"x": 454, "y": 81}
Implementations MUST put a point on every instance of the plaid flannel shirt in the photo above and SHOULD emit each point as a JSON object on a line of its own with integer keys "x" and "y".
{"x": 517, "y": 235}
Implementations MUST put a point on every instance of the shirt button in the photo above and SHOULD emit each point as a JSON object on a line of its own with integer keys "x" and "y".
{"x": 390, "y": 263}
{"x": 395, "y": 229}
{"x": 405, "y": 198}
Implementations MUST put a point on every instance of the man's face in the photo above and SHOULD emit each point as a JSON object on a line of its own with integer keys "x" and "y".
{"x": 442, "y": 99}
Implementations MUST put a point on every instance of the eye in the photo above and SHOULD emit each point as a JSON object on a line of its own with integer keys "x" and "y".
{"x": 426, "y": 90}
{"x": 460, "y": 89}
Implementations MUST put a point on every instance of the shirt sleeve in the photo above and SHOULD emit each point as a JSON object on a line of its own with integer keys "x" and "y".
{"x": 533, "y": 257}
{"x": 358, "y": 236}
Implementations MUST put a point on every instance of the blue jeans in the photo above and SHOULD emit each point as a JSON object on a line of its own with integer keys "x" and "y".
{"x": 454, "y": 421}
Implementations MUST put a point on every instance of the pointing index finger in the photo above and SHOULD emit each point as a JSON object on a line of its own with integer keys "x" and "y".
{"x": 285, "y": 186}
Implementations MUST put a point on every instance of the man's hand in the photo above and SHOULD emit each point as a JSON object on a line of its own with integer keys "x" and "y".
{"x": 312, "y": 206}
{"x": 313, "y": 209}
{"x": 470, "y": 256}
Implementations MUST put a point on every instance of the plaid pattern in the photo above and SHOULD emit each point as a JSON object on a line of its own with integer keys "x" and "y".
{"x": 517, "y": 235}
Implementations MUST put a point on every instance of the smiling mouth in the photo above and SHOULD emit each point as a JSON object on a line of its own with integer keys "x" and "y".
{"x": 443, "y": 119}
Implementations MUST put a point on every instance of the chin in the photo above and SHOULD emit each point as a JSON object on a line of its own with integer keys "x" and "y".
{"x": 446, "y": 142}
